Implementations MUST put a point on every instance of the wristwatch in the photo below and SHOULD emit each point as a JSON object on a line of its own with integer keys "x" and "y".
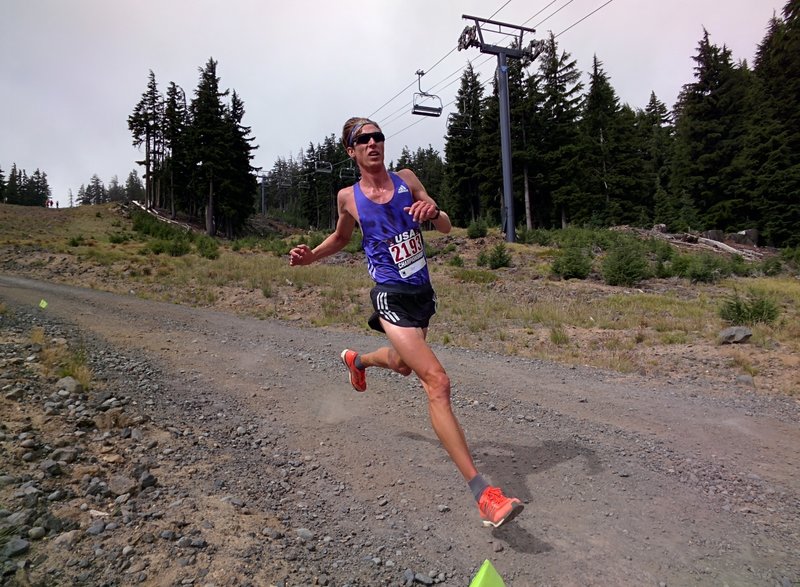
{"x": 438, "y": 212}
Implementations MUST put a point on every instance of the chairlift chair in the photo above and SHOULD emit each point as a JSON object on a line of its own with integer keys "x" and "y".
{"x": 459, "y": 125}
{"x": 284, "y": 182}
{"x": 418, "y": 107}
{"x": 348, "y": 173}
{"x": 323, "y": 167}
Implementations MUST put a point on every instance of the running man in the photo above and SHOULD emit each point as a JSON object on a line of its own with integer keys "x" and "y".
{"x": 389, "y": 207}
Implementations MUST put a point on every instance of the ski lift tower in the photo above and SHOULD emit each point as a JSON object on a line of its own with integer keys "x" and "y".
{"x": 263, "y": 177}
{"x": 472, "y": 36}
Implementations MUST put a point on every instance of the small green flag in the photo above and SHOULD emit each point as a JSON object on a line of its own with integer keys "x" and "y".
{"x": 487, "y": 577}
{"x": 42, "y": 304}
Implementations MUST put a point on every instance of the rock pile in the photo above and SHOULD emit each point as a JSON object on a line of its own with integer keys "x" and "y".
{"x": 126, "y": 483}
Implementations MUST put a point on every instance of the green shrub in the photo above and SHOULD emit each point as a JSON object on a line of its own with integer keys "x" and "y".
{"x": 535, "y": 236}
{"x": 626, "y": 264}
{"x": 431, "y": 251}
{"x": 772, "y": 266}
{"x": 702, "y": 268}
{"x": 356, "y": 243}
{"x": 178, "y": 247}
{"x": 573, "y": 262}
{"x": 483, "y": 258}
{"x": 738, "y": 266}
{"x": 149, "y": 225}
{"x": 499, "y": 257}
{"x": 456, "y": 261}
{"x": 791, "y": 256}
{"x": 248, "y": 242}
{"x": 705, "y": 268}
{"x": 207, "y": 247}
{"x": 588, "y": 238}
{"x": 277, "y": 247}
{"x": 173, "y": 248}
{"x": 477, "y": 228}
{"x": 118, "y": 238}
{"x": 76, "y": 241}
{"x": 754, "y": 309}
{"x": 538, "y": 236}
{"x": 662, "y": 250}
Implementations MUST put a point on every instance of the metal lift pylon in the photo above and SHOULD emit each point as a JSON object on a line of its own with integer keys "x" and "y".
{"x": 472, "y": 36}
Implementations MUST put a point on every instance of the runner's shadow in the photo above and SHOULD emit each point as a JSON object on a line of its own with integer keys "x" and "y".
{"x": 508, "y": 465}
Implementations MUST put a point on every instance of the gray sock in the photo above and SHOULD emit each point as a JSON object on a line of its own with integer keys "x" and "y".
{"x": 357, "y": 362}
{"x": 477, "y": 484}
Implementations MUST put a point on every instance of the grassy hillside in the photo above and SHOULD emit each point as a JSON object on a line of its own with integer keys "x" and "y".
{"x": 658, "y": 326}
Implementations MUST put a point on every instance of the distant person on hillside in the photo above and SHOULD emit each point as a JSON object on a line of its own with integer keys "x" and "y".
{"x": 389, "y": 207}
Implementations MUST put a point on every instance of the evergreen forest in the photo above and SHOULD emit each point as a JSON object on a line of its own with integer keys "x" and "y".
{"x": 726, "y": 156}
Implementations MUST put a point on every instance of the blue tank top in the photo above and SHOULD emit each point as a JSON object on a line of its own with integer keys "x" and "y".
{"x": 392, "y": 239}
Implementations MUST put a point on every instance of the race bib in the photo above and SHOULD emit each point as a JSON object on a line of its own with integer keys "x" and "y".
{"x": 408, "y": 253}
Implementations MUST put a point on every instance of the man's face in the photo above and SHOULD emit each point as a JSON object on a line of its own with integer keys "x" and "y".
{"x": 367, "y": 145}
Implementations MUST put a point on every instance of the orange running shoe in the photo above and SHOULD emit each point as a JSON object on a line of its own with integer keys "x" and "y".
{"x": 358, "y": 377}
{"x": 497, "y": 509}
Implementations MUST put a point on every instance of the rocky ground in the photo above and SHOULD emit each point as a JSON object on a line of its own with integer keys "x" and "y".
{"x": 215, "y": 450}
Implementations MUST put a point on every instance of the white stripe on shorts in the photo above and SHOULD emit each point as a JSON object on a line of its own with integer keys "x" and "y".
{"x": 383, "y": 309}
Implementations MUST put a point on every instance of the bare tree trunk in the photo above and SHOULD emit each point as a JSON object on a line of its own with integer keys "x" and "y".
{"x": 528, "y": 216}
{"x": 171, "y": 193}
{"x": 210, "y": 209}
{"x": 148, "y": 165}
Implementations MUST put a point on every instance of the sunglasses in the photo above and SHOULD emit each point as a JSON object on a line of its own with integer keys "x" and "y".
{"x": 364, "y": 138}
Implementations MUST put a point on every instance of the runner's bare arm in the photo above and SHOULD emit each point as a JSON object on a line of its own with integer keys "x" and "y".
{"x": 424, "y": 207}
{"x": 336, "y": 241}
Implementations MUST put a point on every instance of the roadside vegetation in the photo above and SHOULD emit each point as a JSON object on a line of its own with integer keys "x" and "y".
{"x": 59, "y": 361}
{"x": 594, "y": 297}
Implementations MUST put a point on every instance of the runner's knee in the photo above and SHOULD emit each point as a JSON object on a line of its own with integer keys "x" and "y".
{"x": 437, "y": 385}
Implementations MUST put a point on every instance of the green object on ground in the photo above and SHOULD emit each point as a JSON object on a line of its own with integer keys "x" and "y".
{"x": 487, "y": 576}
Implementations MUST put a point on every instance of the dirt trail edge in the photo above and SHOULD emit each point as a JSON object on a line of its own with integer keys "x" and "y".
{"x": 626, "y": 480}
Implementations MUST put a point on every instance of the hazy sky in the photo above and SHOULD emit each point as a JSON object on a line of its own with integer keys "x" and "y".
{"x": 71, "y": 71}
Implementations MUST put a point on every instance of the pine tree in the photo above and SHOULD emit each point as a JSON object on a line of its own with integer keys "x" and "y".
{"x": 208, "y": 139}
{"x": 2, "y": 187}
{"x": 531, "y": 115}
{"x": 145, "y": 123}
{"x": 560, "y": 140}
{"x": 772, "y": 147}
{"x": 134, "y": 190}
{"x": 115, "y": 191}
{"x": 83, "y": 198}
{"x": 655, "y": 126}
{"x": 237, "y": 181}
{"x": 489, "y": 161}
{"x": 461, "y": 200}
{"x": 36, "y": 189}
{"x": 599, "y": 205}
{"x": 709, "y": 133}
{"x": 95, "y": 192}
{"x": 13, "y": 186}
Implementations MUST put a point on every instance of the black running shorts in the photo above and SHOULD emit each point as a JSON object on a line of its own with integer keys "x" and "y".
{"x": 409, "y": 307}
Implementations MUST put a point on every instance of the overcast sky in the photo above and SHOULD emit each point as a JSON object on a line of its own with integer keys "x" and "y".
{"x": 71, "y": 71}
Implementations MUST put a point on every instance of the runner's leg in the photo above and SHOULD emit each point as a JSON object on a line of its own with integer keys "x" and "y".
{"x": 385, "y": 358}
{"x": 413, "y": 350}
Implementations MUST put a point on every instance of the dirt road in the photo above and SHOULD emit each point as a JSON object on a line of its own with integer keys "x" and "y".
{"x": 626, "y": 480}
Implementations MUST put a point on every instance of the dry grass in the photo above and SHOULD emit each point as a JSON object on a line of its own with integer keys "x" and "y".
{"x": 515, "y": 310}
{"x": 58, "y": 360}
